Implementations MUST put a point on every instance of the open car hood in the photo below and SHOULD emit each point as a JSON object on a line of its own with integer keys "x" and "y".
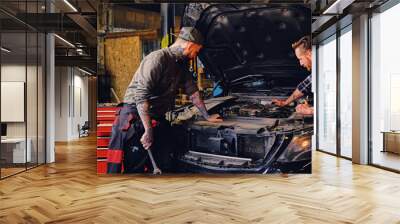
{"x": 248, "y": 46}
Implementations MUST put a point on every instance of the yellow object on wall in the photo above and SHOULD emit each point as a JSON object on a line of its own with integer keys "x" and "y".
{"x": 164, "y": 41}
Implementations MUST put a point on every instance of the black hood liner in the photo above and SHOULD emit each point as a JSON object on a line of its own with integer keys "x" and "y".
{"x": 243, "y": 40}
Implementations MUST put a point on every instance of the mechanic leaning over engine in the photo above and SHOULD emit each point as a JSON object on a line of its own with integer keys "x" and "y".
{"x": 140, "y": 123}
{"x": 302, "y": 49}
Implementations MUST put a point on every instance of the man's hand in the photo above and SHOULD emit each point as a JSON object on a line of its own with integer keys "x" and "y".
{"x": 215, "y": 118}
{"x": 279, "y": 103}
{"x": 295, "y": 95}
{"x": 147, "y": 139}
{"x": 304, "y": 109}
{"x": 196, "y": 99}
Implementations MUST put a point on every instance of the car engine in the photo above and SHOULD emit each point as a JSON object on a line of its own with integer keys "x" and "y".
{"x": 253, "y": 130}
{"x": 257, "y": 110}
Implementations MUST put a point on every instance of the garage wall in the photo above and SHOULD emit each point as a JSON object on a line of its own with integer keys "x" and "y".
{"x": 122, "y": 58}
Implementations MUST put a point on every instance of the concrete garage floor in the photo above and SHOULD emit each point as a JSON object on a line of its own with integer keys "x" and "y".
{"x": 70, "y": 191}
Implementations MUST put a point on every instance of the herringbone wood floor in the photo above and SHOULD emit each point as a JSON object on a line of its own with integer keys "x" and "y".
{"x": 69, "y": 191}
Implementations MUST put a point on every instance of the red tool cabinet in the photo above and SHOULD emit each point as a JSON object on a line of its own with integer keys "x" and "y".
{"x": 105, "y": 119}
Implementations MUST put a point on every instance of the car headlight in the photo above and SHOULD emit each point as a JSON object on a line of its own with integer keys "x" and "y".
{"x": 298, "y": 149}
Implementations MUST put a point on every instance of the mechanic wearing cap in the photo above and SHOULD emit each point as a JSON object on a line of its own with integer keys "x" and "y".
{"x": 140, "y": 124}
{"x": 302, "y": 49}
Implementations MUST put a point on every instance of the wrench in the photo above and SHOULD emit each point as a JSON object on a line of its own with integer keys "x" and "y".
{"x": 156, "y": 170}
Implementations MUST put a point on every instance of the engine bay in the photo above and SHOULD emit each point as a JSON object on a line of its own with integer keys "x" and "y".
{"x": 246, "y": 109}
{"x": 253, "y": 130}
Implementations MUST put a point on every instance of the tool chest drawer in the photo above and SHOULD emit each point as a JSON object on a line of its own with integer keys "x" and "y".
{"x": 105, "y": 119}
{"x": 104, "y": 130}
{"x": 102, "y": 153}
{"x": 101, "y": 166}
{"x": 103, "y": 141}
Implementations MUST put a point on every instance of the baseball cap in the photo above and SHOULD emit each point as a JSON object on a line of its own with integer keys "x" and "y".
{"x": 191, "y": 34}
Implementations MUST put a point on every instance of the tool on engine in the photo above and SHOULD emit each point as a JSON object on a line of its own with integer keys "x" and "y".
{"x": 275, "y": 125}
{"x": 156, "y": 170}
{"x": 301, "y": 101}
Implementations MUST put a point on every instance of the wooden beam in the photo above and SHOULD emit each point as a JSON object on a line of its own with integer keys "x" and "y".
{"x": 143, "y": 34}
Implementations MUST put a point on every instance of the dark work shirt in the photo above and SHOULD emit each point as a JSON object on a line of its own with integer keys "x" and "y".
{"x": 157, "y": 80}
{"x": 305, "y": 86}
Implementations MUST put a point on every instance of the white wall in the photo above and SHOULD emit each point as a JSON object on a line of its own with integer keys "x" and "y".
{"x": 16, "y": 73}
{"x": 80, "y": 110}
{"x": 12, "y": 73}
{"x": 71, "y": 102}
{"x": 61, "y": 103}
{"x": 33, "y": 126}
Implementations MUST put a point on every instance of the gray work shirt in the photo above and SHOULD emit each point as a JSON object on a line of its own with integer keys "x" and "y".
{"x": 157, "y": 80}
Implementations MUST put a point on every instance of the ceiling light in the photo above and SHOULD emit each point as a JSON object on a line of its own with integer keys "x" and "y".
{"x": 79, "y": 51}
{"x": 5, "y": 50}
{"x": 65, "y": 41}
{"x": 84, "y": 71}
{"x": 338, "y": 6}
{"x": 70, "y": 5}
{"x": 329, "y": 9}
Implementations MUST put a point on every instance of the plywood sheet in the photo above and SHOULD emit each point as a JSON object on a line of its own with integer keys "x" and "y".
{"x": 122, "y": 58}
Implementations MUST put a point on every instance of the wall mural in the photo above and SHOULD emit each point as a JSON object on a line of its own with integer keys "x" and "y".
{"x": 226, "y": 88}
